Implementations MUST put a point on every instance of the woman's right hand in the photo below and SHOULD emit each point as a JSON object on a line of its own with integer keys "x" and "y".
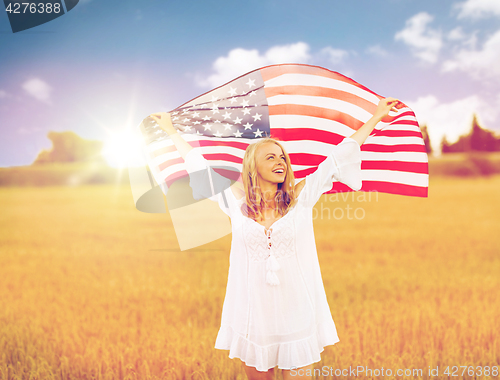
{"x": 164, "y": 121}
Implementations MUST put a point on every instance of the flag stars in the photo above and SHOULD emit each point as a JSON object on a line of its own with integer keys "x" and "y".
{"x": 232, "y": 91}
{"x": 196, "y": 114}
{"x": 244, "y": 103}
{"x": 248, "y": 126}
{"x": 232, "y": 100}
{"x": 253, "y": 93}
{"x": 258, "y": 133}
{"x": 250, "y": 83}
{"x": 186, "y": 120}
{"x": 206, "y": 118}
{"x": 256, "y": 116}
{"x": 197, "y": 122}
{"x": 246, "y": 111}
{"x": 157, "y": 132}
{"x": 227, "y": 126}
{"x": 237, "y": 120}
{"x": 227, "y": 115}
{"x": 187, "y": 128}
{"x": 215, "y": 108}
{"x": 218, "y": 134}
{"x": 237, "y": 134}
{"x": 214, "y": 98}
{"x": 208, "y": 126}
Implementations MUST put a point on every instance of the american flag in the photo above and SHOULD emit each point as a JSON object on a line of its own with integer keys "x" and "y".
{"x": 307, "y": 108}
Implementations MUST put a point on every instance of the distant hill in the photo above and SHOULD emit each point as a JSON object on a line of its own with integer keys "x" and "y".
{"x": 69, "y": 147}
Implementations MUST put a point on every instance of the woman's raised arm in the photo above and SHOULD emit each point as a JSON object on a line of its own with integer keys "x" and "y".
{"x": 384, "y": 106}
{"x": 165, "y": 122}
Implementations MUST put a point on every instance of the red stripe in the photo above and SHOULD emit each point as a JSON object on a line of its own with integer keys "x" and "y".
{"x": 396, "y": 133}
{"x": 402, "y": 166}
{"x": 384, "y": 187}
{"x": 223, "y": 157}
{"x": 324, "y": 113}
{"x": 322, "y": 92}
{"x": 297, "y": 134}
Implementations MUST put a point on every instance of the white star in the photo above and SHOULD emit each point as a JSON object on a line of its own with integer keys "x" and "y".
{"x": 237, "y": 120}
{"x": 197, "y": 122}
{"x": 232, "y": 91}
{"x": 186, "y": 120}
{"x": 250, "y": 83}
{"x": 185, "y": 111}
{"x": 246, "y": 111}
{"x": 214, "y": 98}
{"x": 196, "y": 114}
{"x": 206, "y": 118}
{"x": 187, "y": 128}
{"x": 215, "y": 108}
{"x": 227, "y": 126}
{"x": 248, "y": 126}
{"x": 208, "y": 126}
{"x": 218, "y": 134}
{"x": 258, "y": 133}
{"x": 175, "y": 118}
{"x": 232, "y": 100}
{"x": 157, "y": 132}
{"x": 216, "y": 121}
{"x": 227, "y": 115}
{"x": 175, "y": 113}
{"x": 238, "y": 134}
{"x": 253, "y": 93}
{"x": 244, "y": 103}
{"x": 256, "y": 116}
{"x": 198, "y": 133}
{"x": 155, "y": 126}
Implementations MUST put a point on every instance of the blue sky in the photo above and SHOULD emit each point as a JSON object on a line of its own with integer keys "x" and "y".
{"x": 105, "y": 65}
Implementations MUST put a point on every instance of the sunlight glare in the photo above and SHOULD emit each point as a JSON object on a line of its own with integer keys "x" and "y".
{"x": 123, "y": 150}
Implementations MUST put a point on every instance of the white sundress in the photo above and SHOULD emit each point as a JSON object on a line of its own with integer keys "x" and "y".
{"x": 275, "y": 311}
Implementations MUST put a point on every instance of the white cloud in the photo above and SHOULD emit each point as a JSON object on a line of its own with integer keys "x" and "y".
{"x": 424, "y": 42}
{"x": 450, "y": 119}
{"x": 456, "y": 34}
{"x": 334, "y": 55}
{"x": 378, "y": 51}
{"x": 240, "y": 61}
{"x": 480, "y": 64}
{"x": 476, "y": 9}
{"x": 39, "y": 89}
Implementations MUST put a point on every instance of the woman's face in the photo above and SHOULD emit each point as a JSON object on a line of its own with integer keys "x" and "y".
{"x": 271, "y": 164}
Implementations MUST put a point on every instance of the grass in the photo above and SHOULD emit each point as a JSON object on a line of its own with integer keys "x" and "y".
{"x": 91, "y": 288}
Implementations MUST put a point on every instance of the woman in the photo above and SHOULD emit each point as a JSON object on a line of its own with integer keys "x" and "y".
{"x": 275, "y": 312}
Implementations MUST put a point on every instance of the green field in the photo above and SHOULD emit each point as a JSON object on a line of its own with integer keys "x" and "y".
{"x": 90, "y": 288}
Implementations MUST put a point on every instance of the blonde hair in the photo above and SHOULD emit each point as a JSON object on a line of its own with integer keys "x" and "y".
{"x": 285, "y": 195}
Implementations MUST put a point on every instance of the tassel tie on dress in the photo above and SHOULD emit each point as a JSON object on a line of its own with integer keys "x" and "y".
{"x": 272, "y": 264}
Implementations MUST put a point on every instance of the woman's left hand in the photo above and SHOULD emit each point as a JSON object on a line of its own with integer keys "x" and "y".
{"x": 385, "y": 105}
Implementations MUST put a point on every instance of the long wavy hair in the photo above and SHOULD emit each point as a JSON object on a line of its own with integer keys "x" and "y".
{"x": 285, "y": 195}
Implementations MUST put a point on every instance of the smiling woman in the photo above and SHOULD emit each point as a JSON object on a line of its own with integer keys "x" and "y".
{"x": 275, "y": 312}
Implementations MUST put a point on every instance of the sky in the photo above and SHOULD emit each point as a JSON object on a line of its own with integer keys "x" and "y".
{"x": 105, "y": 65}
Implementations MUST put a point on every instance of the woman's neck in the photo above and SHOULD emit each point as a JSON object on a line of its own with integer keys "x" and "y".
{"x": 268, "y": 190}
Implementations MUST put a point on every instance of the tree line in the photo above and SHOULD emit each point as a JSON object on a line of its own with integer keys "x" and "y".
{"x": 478, "y": 139}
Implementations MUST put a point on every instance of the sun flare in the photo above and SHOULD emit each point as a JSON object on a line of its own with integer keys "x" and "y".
{"x": 122, "y": 150}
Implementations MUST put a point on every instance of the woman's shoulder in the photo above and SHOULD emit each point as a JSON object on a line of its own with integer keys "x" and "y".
{"x": 299, "y": 187}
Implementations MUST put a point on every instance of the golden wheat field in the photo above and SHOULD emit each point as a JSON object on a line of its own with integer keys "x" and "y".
{"x": 91, "y": 288}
